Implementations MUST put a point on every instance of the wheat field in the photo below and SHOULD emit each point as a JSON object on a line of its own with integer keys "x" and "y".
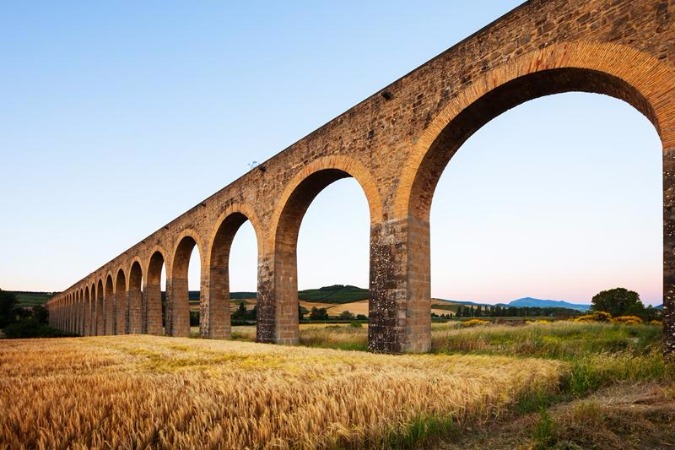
{"x": 159, "y": 392}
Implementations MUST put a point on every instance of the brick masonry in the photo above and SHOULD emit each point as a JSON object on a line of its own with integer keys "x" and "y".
{"x": 396, "y": 144}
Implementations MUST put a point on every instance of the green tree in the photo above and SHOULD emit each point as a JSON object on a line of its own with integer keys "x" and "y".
{"x": 318, "y": 314}
{"x": 8, "y": 309}
{"x": 41, "y": 314}
{"x": 618, "y": 302}
{"x": 240, "y": 313}
{"x": 346, "y": 315}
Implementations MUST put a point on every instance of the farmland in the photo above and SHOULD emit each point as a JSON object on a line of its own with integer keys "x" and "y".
{"x": 139, "y": 391}
{"x": 160, "y": 392}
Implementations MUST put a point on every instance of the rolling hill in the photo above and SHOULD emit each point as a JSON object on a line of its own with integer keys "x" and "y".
{"x": 538, "y": 303}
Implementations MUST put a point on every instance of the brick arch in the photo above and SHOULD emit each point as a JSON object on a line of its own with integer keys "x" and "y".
{"x": 215, "y": 315}
{"x": 109, "y": 304}
{"x": 100, "y": 313}
{"x": 178, "y": 303}
{"x": 87, "y": 310}
{"x": 612, "y": 69}
{"x": 152, "y": 320}
{"x": 120, "y": 306}
{"x": 135, "y": 297}
{"x": 285, "y": 227}
{"x": 80, "y": 311}
{"x": 316, "y": 176}
{"x": 619, "y": 71}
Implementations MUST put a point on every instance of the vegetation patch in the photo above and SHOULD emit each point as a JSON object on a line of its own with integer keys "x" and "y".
{"x": 149, "y": 391}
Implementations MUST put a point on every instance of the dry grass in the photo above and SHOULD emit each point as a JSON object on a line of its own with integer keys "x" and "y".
{"x": 145, "y": 391}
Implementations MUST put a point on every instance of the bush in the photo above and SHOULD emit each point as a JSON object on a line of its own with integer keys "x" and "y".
{"x": 628, "y": 320}
{"x": 598, "y": 316}
{"x": 475, "y": 322}
{"x": 31, "y": 328}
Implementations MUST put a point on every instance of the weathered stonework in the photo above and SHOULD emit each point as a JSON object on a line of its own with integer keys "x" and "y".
{"x": 395, "y": 144}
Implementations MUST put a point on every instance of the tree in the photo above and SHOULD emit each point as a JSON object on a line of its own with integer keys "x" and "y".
{"x": 346, "y": 315}
{"x": 8, "y": 308}
{"x": 618, "y": 302}
{"x": 41, "y": 314}
{"x": 240, "y": 313}
{"x": 318, "y": 314}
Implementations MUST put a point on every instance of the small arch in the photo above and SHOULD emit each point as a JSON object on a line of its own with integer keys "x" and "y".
{"x": 134, "y": 299}
{"x": 109, "y": 305}
{"x": 100, "y": 313}
{"x": 153, "y": 294}
{"x": 87, "y": 311}
{"x": 216, "y": 318}
{"x": 178, "y": 303}
{"x": 120, "y": 302}
{"x": 81, "y": 311}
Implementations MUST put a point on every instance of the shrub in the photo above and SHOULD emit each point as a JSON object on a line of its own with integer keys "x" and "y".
{"x": 628, "y": 320}
{"x": 475, "y": 322}
{"x": 598, "y": 316}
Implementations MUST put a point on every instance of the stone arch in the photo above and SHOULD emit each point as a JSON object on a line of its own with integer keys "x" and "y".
{"x": 80, "y": 311}
{"x": 135, "y": 297}
{"x": 215, "y": 317}
{"x": 152, "y": 298}
{"x": 87, "y": 311}
{"x": 100, "y": 313}
{"x": 280, "y": 311}
{"x": 178, "y": 303}
{"x": 121, "y": 295}
{"x": 645, "y": 83}
{"x": 109, "y": 302}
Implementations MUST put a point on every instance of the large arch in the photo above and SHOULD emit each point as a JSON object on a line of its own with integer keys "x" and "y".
{"x": 178, "y": 302}
{"x": 215, "y": 316}
{"x": 121, "y": 296}
{"x": 152, "y": 298}
{"x": 134, "y": 298}
{"x": 278, "y": 294}
{"x": 646, "y": 84}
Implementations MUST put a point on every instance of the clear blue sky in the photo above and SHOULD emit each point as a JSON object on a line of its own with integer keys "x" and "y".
{"x": 119, "y": 116}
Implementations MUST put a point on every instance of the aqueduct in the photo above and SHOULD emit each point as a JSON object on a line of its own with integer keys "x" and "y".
{"x": 396, "y": 144}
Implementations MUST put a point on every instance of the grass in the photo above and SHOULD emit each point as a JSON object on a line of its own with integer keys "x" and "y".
{"x": 148, "y": 391}
{"x": 551, "y": 379}
{"x": 32, "y": 298}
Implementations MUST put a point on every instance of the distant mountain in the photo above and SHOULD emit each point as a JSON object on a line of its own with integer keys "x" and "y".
{"x": 459, "y": 302}
{"x": 659, "y": 307}
{"x": 538, "y": 303}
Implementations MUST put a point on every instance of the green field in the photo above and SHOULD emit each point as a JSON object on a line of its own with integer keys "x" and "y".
{"x": 32, "y": 298}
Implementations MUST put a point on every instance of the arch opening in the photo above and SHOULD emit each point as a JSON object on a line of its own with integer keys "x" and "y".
{"x": 233, "y": 257}
{"x": 121, "y": 317}
{"x": 135, "y": 299}
{"x": 100, "y": 313}
{"x": 472, "y": 118}
{"x": 286, "y": 251}
{"x": 109, "y": 306}
{"x": 178, "y": 303}
{"x": 155, "y": 288}
{"x": 501, "y": 99}
{"x": 578, "y": 206}
{"x": 87, "y": 311}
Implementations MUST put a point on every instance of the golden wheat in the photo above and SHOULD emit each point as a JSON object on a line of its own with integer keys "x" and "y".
{"x": 157, "y": 392}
